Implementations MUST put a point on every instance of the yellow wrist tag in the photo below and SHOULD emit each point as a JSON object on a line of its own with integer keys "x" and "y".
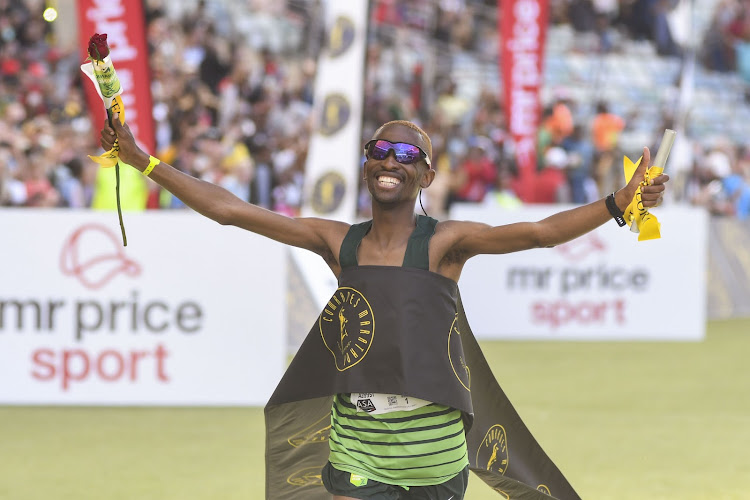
{"x": 152, "y": 162}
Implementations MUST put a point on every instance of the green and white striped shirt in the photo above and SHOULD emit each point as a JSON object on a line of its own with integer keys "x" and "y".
{"x": 418, "y": 447}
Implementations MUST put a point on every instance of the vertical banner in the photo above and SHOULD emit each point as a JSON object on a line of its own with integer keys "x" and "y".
{"x": 523, "y": 28}
{"x": 335, "y": 147}
{"x": 123, "y": 23}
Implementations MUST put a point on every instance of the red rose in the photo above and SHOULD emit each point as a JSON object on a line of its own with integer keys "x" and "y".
{"x": 98, "y": 48}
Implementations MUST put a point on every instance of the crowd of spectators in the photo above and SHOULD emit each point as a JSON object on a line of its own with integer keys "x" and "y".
{"x": 227, "y": 108}
{"x": 233, "y": 106}
{"x": 726, "y": 46}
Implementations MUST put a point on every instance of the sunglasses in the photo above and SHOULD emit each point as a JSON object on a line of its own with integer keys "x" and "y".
{"x": 378, "y": 149}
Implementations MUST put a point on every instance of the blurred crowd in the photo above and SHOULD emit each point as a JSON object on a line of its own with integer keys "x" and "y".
{"x": 727, "y": 42}
{"x": 233, "y": 102}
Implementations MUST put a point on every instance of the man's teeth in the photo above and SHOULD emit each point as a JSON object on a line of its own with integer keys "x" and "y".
{"x": 390, "y": 181}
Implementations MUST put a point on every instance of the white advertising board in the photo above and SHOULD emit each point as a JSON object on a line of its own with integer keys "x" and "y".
{"x": 189, "y": 313}
{"x": 605, "y": 285}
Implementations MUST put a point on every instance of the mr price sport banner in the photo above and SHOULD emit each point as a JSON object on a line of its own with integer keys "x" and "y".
{"x": 190, "y": 313}
{"x": 605, "y": 285}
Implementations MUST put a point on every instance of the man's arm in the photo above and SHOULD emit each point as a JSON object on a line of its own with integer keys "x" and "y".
{"x": 318, "y": 235}
{"x": 475, "y": 238}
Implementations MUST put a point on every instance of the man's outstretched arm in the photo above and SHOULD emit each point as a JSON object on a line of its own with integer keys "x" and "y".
{"x": 475, "y": 238}
{"x": 215, "y": 202}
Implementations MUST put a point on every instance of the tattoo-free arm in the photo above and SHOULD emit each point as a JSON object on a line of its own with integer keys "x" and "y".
{"x": 218, "y": 204}
{"x": 476, "y": 238}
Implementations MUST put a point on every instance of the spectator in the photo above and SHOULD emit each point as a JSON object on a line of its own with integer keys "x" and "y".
{"x": 451, "y": 108}
{"x": 503, "y": 195}
{"x": 662, "y": 34}
{"x": 69, "y": 179}
{"x": 39, "y": 189}
{"x": 580, "y": 151}
{"x": 605, "y": 134}
{"x": 582, "y": 16}
{"x": 476, "y": 174}
{"x": 717, "y": 50}
{"x": 560, "y": 123}
{"x": 552, "y": 182}
{"x": 12, "y": 190}
{"x": 726, "y": 191}
{"x": 556, "y": 125}
{"x": 250, "y": 78}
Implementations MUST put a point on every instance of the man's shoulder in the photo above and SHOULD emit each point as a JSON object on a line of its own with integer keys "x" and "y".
{"x": 324, "y": 223}
{"x": 454, "y": 230}
{"x": 327, "y": 228}
{"x": 456, "y": 225}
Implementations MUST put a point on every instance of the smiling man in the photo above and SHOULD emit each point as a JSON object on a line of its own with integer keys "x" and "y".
{"x": 395, "y": 414}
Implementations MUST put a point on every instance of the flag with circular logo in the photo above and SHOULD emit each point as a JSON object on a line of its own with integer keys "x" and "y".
{"x": 333, "y": 158}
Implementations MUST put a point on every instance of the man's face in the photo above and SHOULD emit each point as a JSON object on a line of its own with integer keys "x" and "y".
{"x": 390, "y": 181}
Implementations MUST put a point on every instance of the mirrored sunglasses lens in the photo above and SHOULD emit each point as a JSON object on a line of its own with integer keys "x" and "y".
{"x": 379, "y": 150}
{"x": 406, "y": 153}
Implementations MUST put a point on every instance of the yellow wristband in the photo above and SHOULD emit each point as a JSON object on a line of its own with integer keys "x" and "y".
{"x": 152, "y": 162}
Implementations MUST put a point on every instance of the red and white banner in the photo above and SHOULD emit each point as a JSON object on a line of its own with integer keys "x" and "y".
{"x": 605, "y": 285}
{"x": 190, "y": 313}
{"x": 123, "y": 23}
{"x": 523, "y": 28}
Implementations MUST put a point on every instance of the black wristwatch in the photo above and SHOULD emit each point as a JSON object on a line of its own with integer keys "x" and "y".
{"x": 614, "y": 211}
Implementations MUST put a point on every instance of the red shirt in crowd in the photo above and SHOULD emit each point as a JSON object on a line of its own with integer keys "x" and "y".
{"x": 480, "y": 177}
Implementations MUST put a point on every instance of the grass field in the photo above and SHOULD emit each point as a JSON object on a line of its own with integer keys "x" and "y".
{"x": 621, "y": 420}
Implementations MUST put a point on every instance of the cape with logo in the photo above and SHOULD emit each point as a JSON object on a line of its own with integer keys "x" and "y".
{"x": 399, "y": 330}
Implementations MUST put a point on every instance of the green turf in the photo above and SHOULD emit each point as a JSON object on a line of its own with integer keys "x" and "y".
{"x": 622, "y": 421}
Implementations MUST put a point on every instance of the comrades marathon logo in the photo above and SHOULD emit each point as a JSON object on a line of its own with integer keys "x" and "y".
{"x": 493, "y": 451}
{"x": 341, "y": 36}
{"x": 543, "y": 489}
{"x": 316, "y": 433}
{"x": 456, "y": 356}
{"x": 328, "y": 192}
{"x": 347, "y": 326}
{"x": 309, "y": 476}
{"x": 334, "y": 114}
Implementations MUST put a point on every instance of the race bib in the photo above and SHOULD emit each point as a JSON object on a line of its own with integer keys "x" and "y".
{"x": 377, "y": 404}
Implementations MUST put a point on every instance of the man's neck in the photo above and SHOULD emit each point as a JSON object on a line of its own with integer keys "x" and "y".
{"x": 391, "y": 225}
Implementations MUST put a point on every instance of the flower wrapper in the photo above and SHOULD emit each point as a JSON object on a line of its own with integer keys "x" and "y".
{"x": 101, "y": 71}
{"x": 641, "y": 221}
{"x": 104, "y": 76}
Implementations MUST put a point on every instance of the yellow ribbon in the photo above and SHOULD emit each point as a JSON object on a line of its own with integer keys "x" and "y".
{"x": 110, "y": 158}
{"x": 636, "y": 215}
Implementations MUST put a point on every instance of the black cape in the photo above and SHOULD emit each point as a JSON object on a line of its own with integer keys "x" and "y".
{"x": 398, "y": 330}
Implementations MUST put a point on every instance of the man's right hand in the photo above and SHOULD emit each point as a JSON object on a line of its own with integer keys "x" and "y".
{"x": 130, "y": 153}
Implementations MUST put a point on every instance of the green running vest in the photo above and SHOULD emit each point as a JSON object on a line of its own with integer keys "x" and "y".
{"x": 416, "y": 447}
{"x": 393, "y": 330}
